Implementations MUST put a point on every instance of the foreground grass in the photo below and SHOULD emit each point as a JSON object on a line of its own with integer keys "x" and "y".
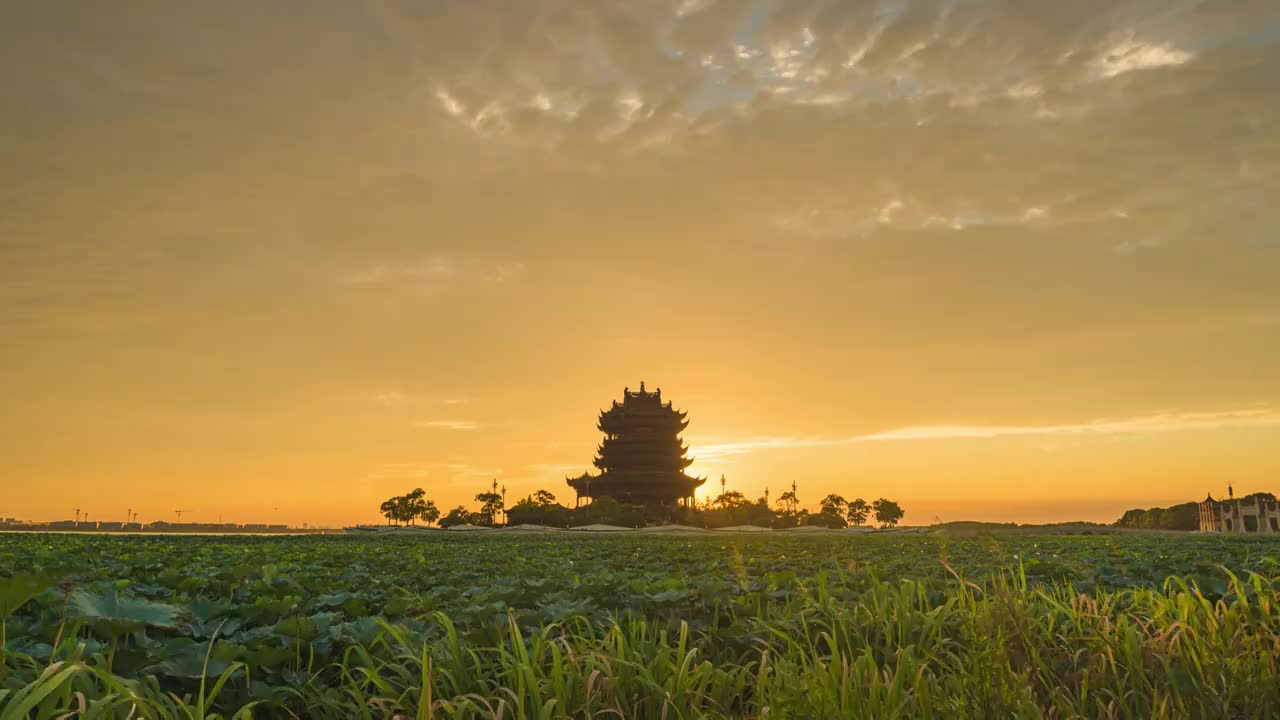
{"x": 1001, "y": 648}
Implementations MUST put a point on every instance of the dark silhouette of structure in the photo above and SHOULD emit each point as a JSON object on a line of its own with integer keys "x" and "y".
{"x": 642, "y": 460}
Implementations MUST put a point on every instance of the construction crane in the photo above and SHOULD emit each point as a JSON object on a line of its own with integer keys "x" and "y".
{"x": 179, "y": 513}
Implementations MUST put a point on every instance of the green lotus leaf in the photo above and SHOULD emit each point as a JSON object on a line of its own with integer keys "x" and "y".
{"x": 17, "y": 590}
{"x": 300, "y": 627}
{"x": 119, "y": 614}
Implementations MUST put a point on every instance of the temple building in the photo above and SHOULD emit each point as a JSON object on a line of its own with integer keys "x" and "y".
{"x": 1257, "y": 513}
{"x": 642, "y": 460}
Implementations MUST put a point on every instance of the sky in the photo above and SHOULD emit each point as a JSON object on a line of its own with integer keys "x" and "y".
{"x": 276, "y": 262}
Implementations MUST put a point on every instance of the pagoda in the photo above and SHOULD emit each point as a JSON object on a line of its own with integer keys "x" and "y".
{"x": 642, "y": 459}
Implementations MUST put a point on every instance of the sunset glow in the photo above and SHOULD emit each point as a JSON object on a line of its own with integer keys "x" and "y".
{"x": 997, "y": 261}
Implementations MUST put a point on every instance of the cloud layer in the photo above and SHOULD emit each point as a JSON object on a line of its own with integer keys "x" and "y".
{"x": 1145, "y": 424}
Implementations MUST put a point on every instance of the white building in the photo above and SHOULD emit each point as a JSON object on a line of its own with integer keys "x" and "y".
{"x": 1254, "y": 514}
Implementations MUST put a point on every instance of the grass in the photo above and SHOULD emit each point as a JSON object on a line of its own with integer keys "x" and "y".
{"x": 842, "y": 643}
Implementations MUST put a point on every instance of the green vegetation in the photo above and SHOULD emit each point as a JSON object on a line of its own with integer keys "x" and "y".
{"x": 1179, "y": 517}
{"x": 543, "y": 626}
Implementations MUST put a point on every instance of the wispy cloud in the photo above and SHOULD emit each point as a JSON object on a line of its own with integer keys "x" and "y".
{"x": 842, "y": 218}
{"x": 436, "y": 274}
{"x": 446, "y": 473}
{"x": 1144, "y": 424}
{"x": 433, "y": 268}
{"x": 1130, "y": 55}
{"x": 395, "y": 398}
{"x": 457, "y": 425}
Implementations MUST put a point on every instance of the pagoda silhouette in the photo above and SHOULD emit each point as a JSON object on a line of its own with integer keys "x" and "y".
{"x": 642, "y": 460}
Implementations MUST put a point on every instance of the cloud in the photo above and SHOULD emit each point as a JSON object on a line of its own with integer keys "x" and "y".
{"x": 653, "y": 69}
{"x": 847, "y": 219}
{"x": 1139, "y": 425}
{"x": 450, "y": 104}
{"x": 969, "y": 116}
{"x": 456, "y": 425}
{"x": 441, "y": 473}
{"x": 1130, "y": 55}
{"x": 396, "y": 398}
{"x": 436, "y": 274}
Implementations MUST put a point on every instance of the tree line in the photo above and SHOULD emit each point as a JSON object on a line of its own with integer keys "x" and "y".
{"x": 725, "y": 510}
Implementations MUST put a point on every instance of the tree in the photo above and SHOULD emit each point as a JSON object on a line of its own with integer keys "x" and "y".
{"x": 822, "y": 519}
{"x": 787, "y": 502}
{"x": 490, "y": 507}
{"x": 429, "y": 513}
{"x": 608, "y": 511}
{"x": 388, "y": 510}
{"x": 539, "y": 508}
{"x": 402, "y": 505}
{"x": 457, "y": 516}
{"x": 834, "y": 505}
{"x": 759, "y": 513}
{"x": 414, "y": 505}
{"x": 731, "y": 499}
{"x": 857, "y": 512}
{"x": 887, "y": 512}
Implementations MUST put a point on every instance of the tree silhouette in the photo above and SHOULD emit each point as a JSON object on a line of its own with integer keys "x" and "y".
{"x": 457, "y": 516}
{"x": 834, "y": 504}
{"x": 415, "y": 504}
{"x": 858, "y": 512}
{"x": 787, "y": 501}
{"x": 490, "y": 507}
{"x": 388, "y": 510}
{"x": 887, "y": 512}
{"x": 401, "y": 504}
{"x": 544, "y": 498}
{"x": 731, "y": 499}
{"x": 429, "y": 512}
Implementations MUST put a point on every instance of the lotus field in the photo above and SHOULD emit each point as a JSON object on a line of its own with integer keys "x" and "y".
{"x": 572, "y": 625}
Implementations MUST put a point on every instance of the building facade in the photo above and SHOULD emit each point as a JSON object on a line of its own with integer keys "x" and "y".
{"x": 1257, "y": 513}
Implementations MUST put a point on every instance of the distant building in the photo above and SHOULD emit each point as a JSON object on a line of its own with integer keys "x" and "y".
{"x": 1257, "y": 513}
{"x": 642, "y": 460}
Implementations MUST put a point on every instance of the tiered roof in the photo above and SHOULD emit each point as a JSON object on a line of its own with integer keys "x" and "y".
{"x": 641, "y": 458}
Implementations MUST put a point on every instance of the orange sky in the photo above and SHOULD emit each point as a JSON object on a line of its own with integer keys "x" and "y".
{"x": 996, "y": 262}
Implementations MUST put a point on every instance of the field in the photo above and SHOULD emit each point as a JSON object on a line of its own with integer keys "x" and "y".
{"x": 1128, "y": 626}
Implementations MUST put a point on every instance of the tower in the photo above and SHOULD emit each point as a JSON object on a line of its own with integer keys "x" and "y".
{"x": 641, "y": 459}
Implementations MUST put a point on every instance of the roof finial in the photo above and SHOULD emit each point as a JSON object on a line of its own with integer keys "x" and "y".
{"x": 642, "y": 386}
